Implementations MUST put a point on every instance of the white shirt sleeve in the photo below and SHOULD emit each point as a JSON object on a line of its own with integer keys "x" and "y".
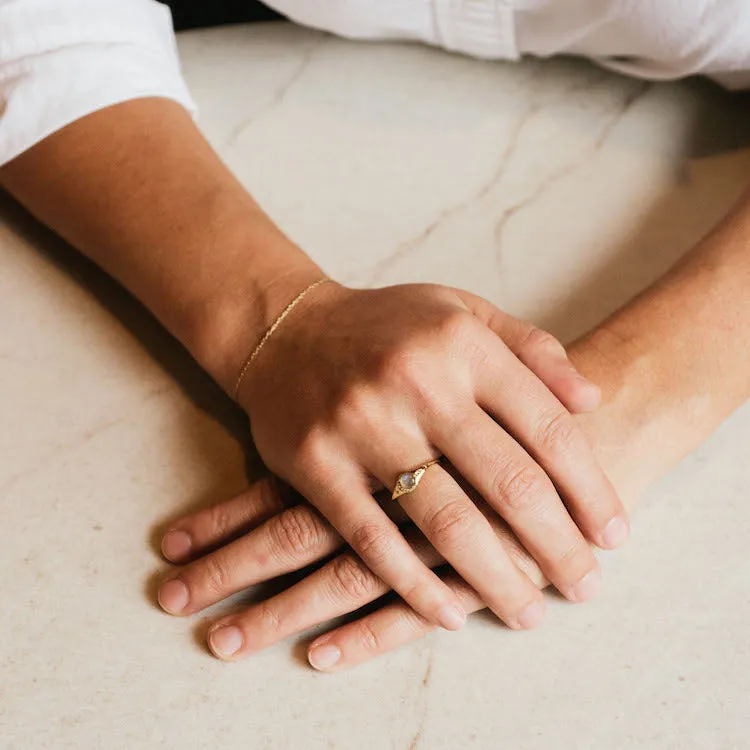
{"x": 63, "y": 59}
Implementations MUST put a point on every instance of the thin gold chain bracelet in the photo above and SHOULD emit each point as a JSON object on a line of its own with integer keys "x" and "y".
{"x": 271, "y": 329}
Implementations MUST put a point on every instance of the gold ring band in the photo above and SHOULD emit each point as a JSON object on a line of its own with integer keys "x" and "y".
{"x": 408, "y": 481}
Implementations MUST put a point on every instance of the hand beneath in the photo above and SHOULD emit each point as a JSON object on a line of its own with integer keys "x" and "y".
{"x": 263, "y": 538}
{"x": 377, "y": 382}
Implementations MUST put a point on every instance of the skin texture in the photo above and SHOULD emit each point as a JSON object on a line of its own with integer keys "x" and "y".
{"x": 383, "y": 380}
{"x": 668, "y": 380}
{"x": 216, "y": 272}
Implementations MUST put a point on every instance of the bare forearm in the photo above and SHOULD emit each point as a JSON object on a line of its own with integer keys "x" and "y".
{"x": 137, "y": 189}
{"x": 674, "y": 362}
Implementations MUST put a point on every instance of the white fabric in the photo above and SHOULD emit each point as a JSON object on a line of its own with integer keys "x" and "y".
{"x": 63, "y": 59}
{"x": 655, "y": 39}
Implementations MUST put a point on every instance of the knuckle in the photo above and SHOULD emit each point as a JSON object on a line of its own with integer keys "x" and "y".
{"x": 372, "y": 542}
{"x": 571, "y": 558}
{"x": 368, "y": 637}
{"x": 297, "y": 531}
{"x": 414, "y": 623}
{"x": 457, "y": 334}
{"x": 215, "y": 575}
{"x": 448, "y": 524}
{"x": 538, "y": 339}
{"x": 354, "y": 400}
{"x": 556, "y": 433}
{"x": 219, "y": 520}
{"x": 402, "y": 366}
{"x": 455, "y": 326}
{"x": 268, "y": 618}
{"x": 519, "y": 487}
{"x": 309, "y": 449}
{"x": 352, "y": 579}
{"x": 409, "y": 359}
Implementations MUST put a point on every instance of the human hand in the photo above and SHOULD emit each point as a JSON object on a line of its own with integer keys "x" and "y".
{"x": 259, "y": 535}
{"x": 386, "y": 379}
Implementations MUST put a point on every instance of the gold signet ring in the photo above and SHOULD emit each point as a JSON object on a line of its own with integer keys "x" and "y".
{"x": 408, "y": 481}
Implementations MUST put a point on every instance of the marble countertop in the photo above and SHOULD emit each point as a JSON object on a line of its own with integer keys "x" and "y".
{"x": 554, "y": 189}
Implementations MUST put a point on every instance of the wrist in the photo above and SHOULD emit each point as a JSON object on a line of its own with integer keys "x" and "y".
{"x": 627, "y": 430}
{"x": 137, "y": 188}
{"x": 231, "y": 316}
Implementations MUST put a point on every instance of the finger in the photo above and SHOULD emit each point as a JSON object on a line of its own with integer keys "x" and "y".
{"x": 462, "y": 535}
{"x": 385, "y": 629}
{"x": 451, "y": 521}
{"x": 520, "y": 491}
{"x": 540, "y": 351}
{"x": 341, "y": 586}
{"x": 546, "y": 357}
{"x": 199, "y": 532}
{"x": 512, "y": 545}
{"x": 339, "y": 490}
{"x": 539, "y": 422}
{"x": 285, "y": 543}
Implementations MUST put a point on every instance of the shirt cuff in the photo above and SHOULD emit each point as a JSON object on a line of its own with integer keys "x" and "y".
{"x": 63, "y": 61}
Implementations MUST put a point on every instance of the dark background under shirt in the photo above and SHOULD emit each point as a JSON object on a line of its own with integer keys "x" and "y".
{"x": 193, "y": 14}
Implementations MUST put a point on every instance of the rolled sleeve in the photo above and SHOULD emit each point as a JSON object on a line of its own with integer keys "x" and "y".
{"x": 63, "y": 59}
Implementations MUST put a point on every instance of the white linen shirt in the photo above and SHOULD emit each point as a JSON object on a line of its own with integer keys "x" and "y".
{"x": 63, "y": 59}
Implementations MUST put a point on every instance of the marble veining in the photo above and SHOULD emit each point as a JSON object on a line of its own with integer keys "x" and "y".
{"x": 556, "y": 190}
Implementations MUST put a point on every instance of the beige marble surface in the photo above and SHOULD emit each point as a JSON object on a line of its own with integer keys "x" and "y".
{"x": 554, "y": 189}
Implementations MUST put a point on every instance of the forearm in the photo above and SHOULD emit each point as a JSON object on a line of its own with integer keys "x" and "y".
{"x": 674, "y": 362}
{"x": 137, "y": 189}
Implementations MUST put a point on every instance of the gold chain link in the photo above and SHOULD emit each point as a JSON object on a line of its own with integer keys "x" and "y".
{"x": 267, "y": 335}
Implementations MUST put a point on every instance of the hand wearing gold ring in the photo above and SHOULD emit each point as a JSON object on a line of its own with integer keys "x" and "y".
{"x": 359, "y": 386}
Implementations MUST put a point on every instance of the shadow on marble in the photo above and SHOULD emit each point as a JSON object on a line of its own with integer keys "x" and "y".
{"x": 170, "y": 355}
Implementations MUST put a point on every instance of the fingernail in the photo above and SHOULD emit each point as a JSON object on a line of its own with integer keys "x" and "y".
{"x": 173, "y": 596}
{"x": 615, "y": 532}
{"x": 587, "y": 586}
{"x": 176, "y": 544}
{"x": 451, "y": 617}
{"x": 531, "y": 616}
{"x": 225, "y": 641}
{"x": 325, "y": 656}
